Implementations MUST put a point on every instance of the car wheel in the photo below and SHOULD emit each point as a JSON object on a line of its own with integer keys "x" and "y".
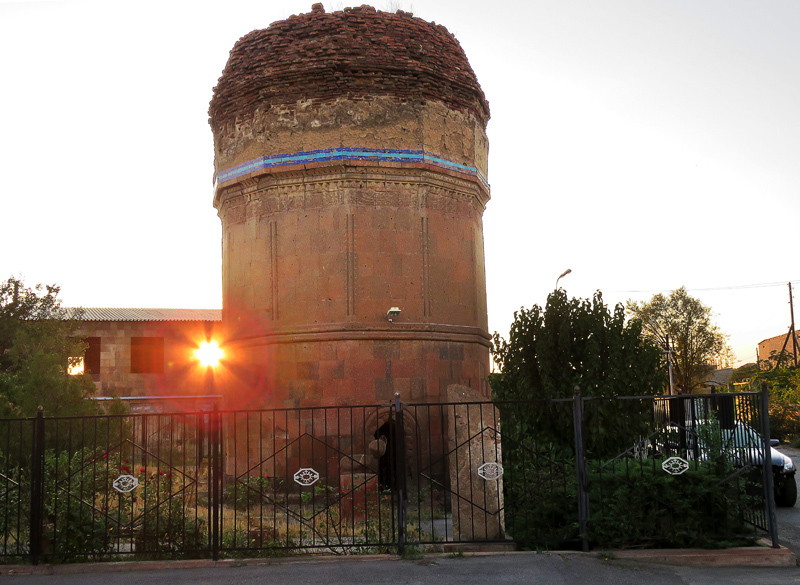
{"x": 787, "y": 496}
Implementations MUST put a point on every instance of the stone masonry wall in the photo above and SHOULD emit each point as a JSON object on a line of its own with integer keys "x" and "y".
{"x": 380, "y": 122}
{"x": 181, "y": 373}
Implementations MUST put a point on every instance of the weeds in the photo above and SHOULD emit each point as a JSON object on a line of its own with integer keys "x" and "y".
{"x": 411, "y": 553}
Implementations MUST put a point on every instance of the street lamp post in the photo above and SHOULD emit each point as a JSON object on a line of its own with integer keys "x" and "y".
{"x": 668, "y": 353}
{"x": 563, "y": 274}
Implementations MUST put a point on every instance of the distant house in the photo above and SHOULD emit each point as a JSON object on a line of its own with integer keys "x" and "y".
{"x": 719, "y": 377}
{"x": 773, "y": 345}
{"x": 147, "y": 355}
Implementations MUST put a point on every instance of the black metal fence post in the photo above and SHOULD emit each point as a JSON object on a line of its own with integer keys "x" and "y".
{"x": 400, "y": 472}
{"x": 215, "y": 477}
{"x": 37, "y": 488}
{"x": 766, "y": 466}
{"x": 580, "y": 467}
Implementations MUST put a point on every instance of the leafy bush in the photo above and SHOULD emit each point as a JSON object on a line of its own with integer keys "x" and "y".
{"x": 784, "y": 420}
{"x": 15, "y": 505}
{"x": 540, "y": 492}
{"x": 76, "y": 497}
{"x": 85, "y": 516}
{"x": 251, "y": 492}
{"x": 165, "y": 521}
{"x": 783, "y": 381}
{"x": 635, "y": 503}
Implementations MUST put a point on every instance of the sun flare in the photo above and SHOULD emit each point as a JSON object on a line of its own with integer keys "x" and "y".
{"x": 209, "y": 354}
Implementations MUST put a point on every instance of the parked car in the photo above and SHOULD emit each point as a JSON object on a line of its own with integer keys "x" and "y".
{"x": 744, "y": 448}
{"x": 783, "y": 471}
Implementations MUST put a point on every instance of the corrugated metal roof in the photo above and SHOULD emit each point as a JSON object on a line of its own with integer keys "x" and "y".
{"x": 108, "y": 314}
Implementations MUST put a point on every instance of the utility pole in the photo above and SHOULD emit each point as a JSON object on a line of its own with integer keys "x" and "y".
{"x": 792, "y": 331}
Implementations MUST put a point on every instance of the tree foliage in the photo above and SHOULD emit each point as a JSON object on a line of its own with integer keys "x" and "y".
{"x": 575, "y": 342}
{"x": 682, "y": 325}
{"x": 783, "y": 383}
{"x": 549, "y": 351}
{"x": 37, "y": 345}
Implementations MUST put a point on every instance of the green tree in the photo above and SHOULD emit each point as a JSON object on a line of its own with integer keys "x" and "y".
{"x": 38, "y": 343}
{"x": 682, "y": 325}
{"x": 783, "y": 383}
{"x": 575, "y": 342}
{"x": 571, "y": 342}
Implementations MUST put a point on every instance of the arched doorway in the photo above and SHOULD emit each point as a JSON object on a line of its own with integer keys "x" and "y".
{"x": 387, "y": 464}
{"x": 385, "y": 424}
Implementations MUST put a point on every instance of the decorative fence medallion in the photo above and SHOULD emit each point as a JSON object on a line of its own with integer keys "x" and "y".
{"x": 490, "y": 471}
{"x": 306, "y": 476}
{"x": 675, "y": 465}
{"x": 125, "y": 483}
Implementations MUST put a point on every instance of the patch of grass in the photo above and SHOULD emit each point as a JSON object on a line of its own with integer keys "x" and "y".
{"x": 411, "y": 553}
{"x": 456, "y": 554}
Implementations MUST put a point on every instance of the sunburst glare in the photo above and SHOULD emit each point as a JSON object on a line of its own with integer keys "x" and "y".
{"x": 209, "y": 354}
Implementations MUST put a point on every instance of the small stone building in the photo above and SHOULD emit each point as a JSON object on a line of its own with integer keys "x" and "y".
{"x": 147, "y": 355}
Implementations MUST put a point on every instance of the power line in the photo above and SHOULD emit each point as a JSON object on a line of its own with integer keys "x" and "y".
{"x": 715, "y": 288}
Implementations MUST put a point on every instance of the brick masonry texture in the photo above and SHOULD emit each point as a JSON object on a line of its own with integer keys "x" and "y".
{"x": 356, "y": 53}
{"x": 331, "y": 213}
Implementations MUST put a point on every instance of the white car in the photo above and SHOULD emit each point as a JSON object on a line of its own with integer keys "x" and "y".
{"x": 743, "y": 444}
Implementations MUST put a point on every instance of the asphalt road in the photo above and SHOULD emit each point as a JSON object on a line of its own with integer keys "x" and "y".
{"x": 499, "y": 569}
{"x": 789, "y": 518}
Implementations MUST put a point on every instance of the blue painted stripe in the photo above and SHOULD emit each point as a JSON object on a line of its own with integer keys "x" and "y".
{"x": 329, "y": 154}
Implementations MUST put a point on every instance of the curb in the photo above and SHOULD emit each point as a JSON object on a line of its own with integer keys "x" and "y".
{"x": 732, "y": 557}
{"x": 128, "y": 566}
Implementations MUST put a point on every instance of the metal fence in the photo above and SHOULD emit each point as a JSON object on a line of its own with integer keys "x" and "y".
{"x": 558, "y": 473}
{"x": 644, "y": 471}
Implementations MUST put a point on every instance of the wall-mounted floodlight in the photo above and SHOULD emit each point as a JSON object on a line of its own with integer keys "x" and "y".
{"x": 393, "y": 313}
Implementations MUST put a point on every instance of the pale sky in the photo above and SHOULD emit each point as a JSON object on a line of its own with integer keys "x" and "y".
{"x": 644, "y": 144}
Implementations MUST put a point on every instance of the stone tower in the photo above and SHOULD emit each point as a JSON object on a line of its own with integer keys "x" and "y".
{"x": 351, "y": 164}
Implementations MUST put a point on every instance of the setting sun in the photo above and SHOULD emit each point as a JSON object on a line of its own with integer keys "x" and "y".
{"x": 75, "y": 367}
{"x": 209, "y": 354}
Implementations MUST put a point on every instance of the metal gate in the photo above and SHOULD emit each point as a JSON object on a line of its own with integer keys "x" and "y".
{"x": 246, "y": 483}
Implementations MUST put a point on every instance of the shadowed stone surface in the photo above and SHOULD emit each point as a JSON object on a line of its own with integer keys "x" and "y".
{"x": 474, "y": 440}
